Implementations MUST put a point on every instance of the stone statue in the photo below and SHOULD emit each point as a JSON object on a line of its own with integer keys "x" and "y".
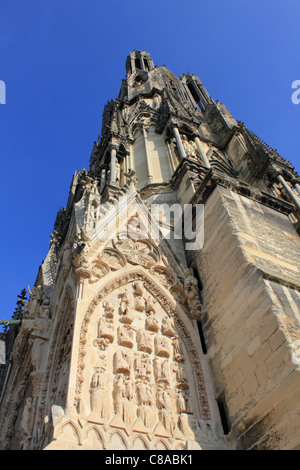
{"x": 105, "y": 329}
{"x": 178, "y": 352}
{"x": 124, "y": 394}
{"x": 25, "y": 424}
{"x": 181, "y": 405}
{"x": 122, "y": 362}
{"x": 180, "y": 377}
{"x": 125, "y": 308}
{"x": 79, "y": 261}
{"x": 152, "y": 322}
{"x": 144, "y": 341}
{"x": 162, "y": 346}
{"x": 189, "y": 148}
{"x": 66, "y": 259}
{"x": 36, "y": 295}
{"x": 120, "y": 386}
{"x": 108, "y": 309}
{"x": 38, "y": 331}
{"x": 161, "y": 370}
{"x": 139, "y": 303}
{"x": 143, "y": 366}
{"x": 129, "y": 389}
{"x": 149, "y": 307}
{"x": 185, "y": 427}
{"x": 192, "y": 294}
{"x": 118, "y": 173}
{"x": 167, "y": 326}
{"x": 165, "y": 405}
{"x": 142, "y": 392}
{"x": 99, "y": 379}
{"x": 125, "y": 336}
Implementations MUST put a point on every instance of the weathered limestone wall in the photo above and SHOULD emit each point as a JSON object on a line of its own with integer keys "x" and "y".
{"x": 159, "y": 159}
{"x": 236, "y": 148}
{"x": 139, "y": 159}
{"x": 249, "y": 267}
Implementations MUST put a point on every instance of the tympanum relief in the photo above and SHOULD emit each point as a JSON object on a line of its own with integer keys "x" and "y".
{"x": 138, "y": 376}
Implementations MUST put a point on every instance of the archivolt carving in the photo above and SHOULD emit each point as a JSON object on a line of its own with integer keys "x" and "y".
{"x": 99, "y": 270}
{"x": 141, "y": 252}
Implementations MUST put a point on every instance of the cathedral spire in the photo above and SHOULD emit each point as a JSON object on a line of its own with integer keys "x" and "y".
{"x": 138, "y": 62}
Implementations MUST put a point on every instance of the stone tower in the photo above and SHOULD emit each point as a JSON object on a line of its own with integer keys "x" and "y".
{"x": 166, "y": 312}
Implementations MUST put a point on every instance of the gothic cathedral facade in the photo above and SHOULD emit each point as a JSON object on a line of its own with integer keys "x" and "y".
{"x": 165, "y": 315}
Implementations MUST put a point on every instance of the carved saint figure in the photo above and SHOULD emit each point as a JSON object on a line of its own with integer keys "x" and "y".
{"x": 165, "y": 405}
{"x": 142, "y": 392}
{"x": 167, "y": 326}
{"x": 66, "y": 259}
{"x": 129, "y": 389}
{"x": 36, "y": 295}
{"x": 99, "y": 379}
{"x": 185, "y": 426}
{"x": 178, "y": 352}
{"x": 139, "y": 303}
{"x": 149, "y": 307}
{"x": 38, "y": 330}
{"x": 189, "y": 147}
{"x": 122, "y": 362}
{"x": 181, "y": 405}
{"x": 125, "y": 336}
{"x": 120, "y": 386}
{"x": 144, "y": 341}
{"x": 118, "y": 173}
{"x": 152, "y": 322}
{"x": 190, "y": 283}
{"x": 180, "y": 377}
{"x": 143, "y": 366}
{"x": 161, "y": 370}
{"x": 108, "y": 309}
{"x": 25, "y": 424}
{"x": 162, "y": 346}
{"x": 99, "y": 398}
{"x": 125, "y": 308}
{"x": 192, "y": 294}
{"x": 105, "y": 329}
{"x": 124, "y": 394}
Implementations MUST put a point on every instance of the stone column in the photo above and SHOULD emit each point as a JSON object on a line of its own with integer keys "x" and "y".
{"x": 102, "y": 180}
{"x": 172, "y": 164}
{"x": 297, "y": 186}
{"x": 202, "y": 152}
{"x": 179, "y": 143}
{"x": 125, "y": 164}
{"x": 113, "y": 161}
{"x": 288, "y": 190}
{"x": 131, "y": 162}
{"x": 150, "y": 177}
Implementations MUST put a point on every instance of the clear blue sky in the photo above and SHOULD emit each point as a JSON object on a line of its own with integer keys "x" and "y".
{"x": 62, "y": 60}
